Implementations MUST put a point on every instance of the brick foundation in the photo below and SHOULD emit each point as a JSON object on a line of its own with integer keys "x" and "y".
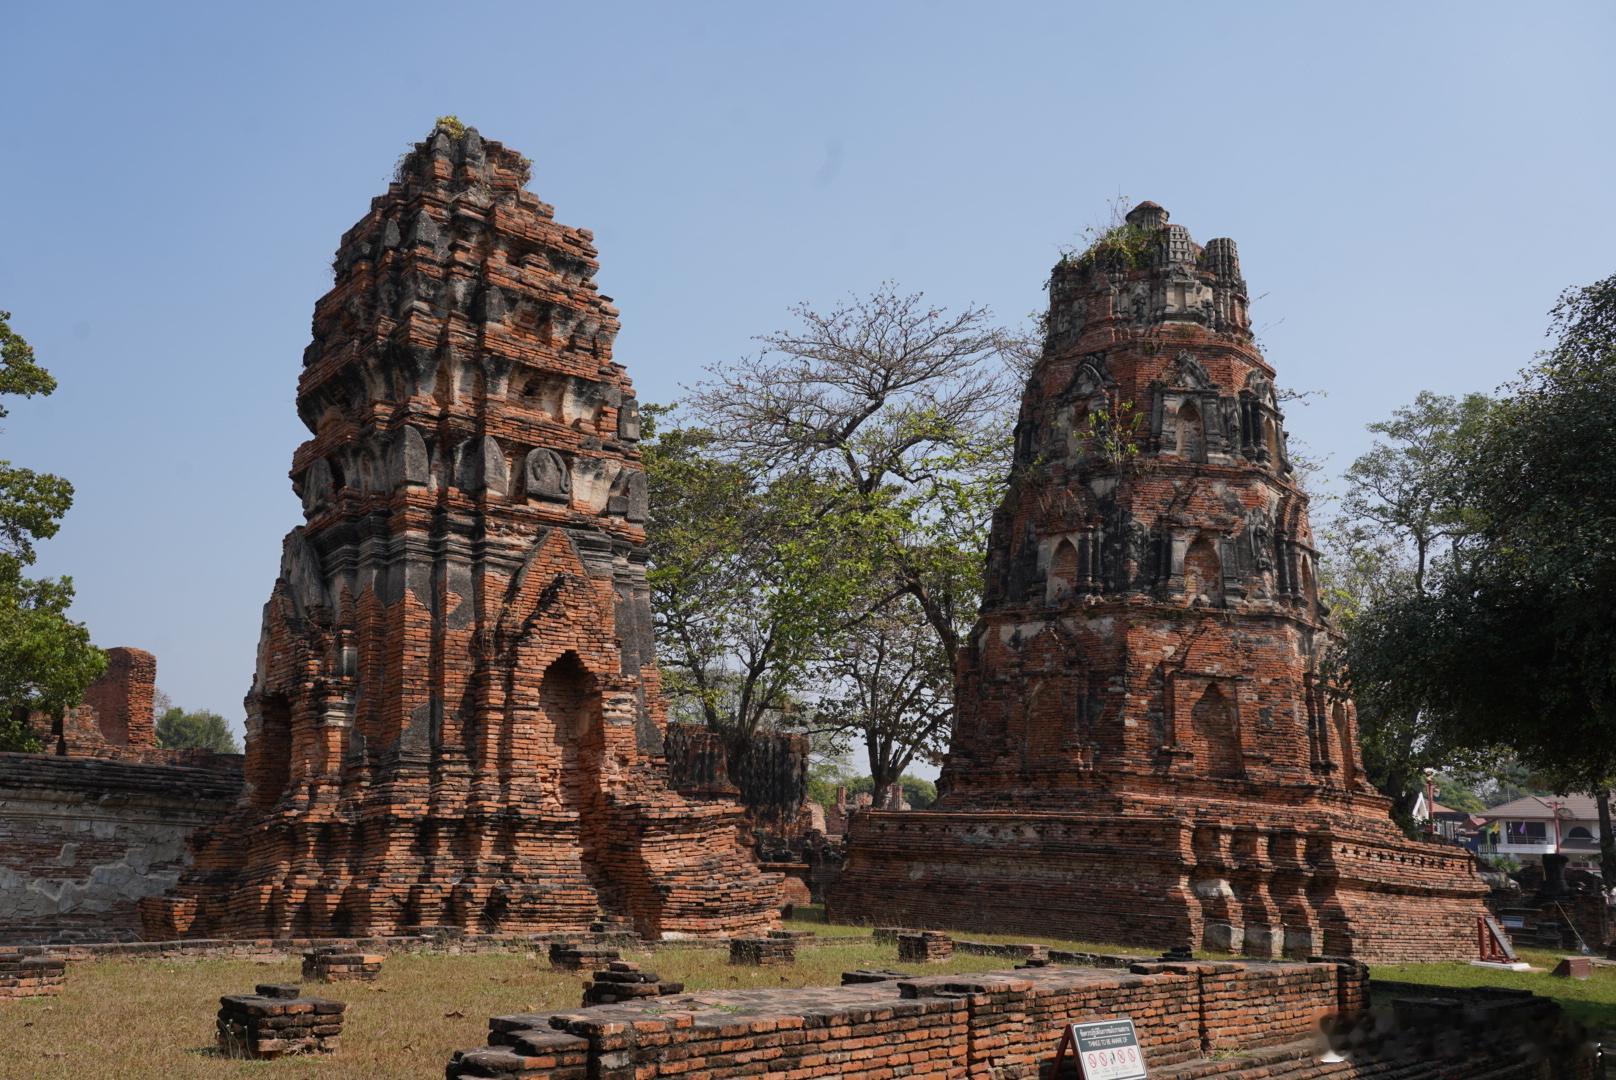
{"x": 277, "y": 1021}
{"x": 341, "y": 963}
{"x": 1148, "y": 748}
{"x": 926, "y": 947}
{"x": 762, "y": 950}
{"x": 1193, "y": 1020}
{"x": 623, "y": 981}
{"x": 30, "y": 976}
{"x": 576, "y": 956}
{"x": 456, "y": 719}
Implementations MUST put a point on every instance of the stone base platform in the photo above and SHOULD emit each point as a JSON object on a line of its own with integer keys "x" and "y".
{"x": 1304, "y": 885}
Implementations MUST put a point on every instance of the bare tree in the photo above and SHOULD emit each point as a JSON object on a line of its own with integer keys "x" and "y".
{"x": 892, "y": 691}
{"x": 897, "y": 406}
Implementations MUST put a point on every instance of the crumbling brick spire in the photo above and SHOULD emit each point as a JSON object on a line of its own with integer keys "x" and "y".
{"x": 456, "y": 718}
{"x": 1145, "y": 730}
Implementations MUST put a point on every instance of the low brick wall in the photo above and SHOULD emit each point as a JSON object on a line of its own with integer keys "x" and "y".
{"x": 1195, "y": 1021}
{"x": 83, "y": 840}
{"x": 1004, "y": 1024}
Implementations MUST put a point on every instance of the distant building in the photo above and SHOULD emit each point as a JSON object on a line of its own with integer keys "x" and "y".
{"x": 1460, "y": 826}
{"x": 1545, "y": 825}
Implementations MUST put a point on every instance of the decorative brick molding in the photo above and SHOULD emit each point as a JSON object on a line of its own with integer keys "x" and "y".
{"x": 1147, "y": 747}
{"x": 457, "y": 713}
{"x": 276, "y": 1021}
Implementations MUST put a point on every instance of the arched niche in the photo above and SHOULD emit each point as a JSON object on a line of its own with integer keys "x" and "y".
{"x": 1203, "y": 572}
{"x": 569, "y": 701}
{"x": 1342, "y": 723}
{"x": 1191, "y": 432}
{"x": 269, "y": 753}
{"x": 1217, "y": 734}
{"x": 1062, "y": 572}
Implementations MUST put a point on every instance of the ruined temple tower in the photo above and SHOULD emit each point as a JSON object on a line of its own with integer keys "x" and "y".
{"x": 456, "y": 718}
{"x": 1145, "y": 749}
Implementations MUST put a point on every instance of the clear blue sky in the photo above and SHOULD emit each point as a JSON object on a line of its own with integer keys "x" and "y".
{"x": 1410, "y": 184}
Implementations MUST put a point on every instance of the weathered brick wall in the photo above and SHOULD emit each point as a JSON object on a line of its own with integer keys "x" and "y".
{"x": 1143, "y": 715}
{"x": 81, "y": 841}
{"x": 456, "y": 714}
{"x": 770, "y": 776}
{"x": 1193, "y": 1020}
{"x": 115, "y": 718}
{"x": 122, "y": 697}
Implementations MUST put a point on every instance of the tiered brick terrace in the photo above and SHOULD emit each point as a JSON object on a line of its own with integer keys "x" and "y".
{"x": 456, "y": 718}
{"x": 1147, "y": 748}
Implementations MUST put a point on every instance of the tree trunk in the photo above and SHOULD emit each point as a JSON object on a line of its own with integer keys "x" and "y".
{"x": 1607, "y": 842}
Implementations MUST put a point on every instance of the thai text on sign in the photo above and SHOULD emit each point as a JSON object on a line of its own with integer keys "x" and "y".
{"x": 1108, "y": 1050}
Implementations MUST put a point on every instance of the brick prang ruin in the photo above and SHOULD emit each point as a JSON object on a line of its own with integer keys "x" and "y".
{"x": 1147, "y": 748}
{"x": 456, "y": 719}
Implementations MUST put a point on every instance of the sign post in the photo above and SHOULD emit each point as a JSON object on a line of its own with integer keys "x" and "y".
{"x": 1104, "y": 1049}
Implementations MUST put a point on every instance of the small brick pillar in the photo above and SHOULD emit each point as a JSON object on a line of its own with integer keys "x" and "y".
{"x": 30, "y": 976}
{"x": 575, "y": 956}
{"x": 276, "y": 1021}
{"x": 341, "y": 963}
{"x": 623, "y": 981}
{"x": 929, "y": 946}
{"x": 762, "y": 950}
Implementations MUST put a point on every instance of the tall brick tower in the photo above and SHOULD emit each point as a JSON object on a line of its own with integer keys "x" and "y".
{"x": 456, "y": 718}
{"x": 1145, "y": 749}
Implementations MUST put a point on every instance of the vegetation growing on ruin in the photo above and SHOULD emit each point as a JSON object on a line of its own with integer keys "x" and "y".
{"x": 1120, "y": 247}
{"x": 450, "y": 125}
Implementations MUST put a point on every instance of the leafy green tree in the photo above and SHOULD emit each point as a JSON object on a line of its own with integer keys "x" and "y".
{"x": 886, "y": 419}
{"x": 1455, "y": 794}
{"x": 178, "y": 729}
{"x": 744, "y": 590}
{"x": 1402, "y": 511}
{"x": 1514, "y": 643}
{"x": 46, "y": 659}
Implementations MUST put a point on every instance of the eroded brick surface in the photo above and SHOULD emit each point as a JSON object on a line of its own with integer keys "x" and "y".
{"x": 456, "y": 718}
{"x": 1146, "y": 750}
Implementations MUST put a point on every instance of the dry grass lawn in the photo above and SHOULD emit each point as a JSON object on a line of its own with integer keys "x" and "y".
{"x": 138, "y": 1019}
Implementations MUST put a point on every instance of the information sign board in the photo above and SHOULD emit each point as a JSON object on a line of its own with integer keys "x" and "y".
{"x": 1105, "y": 1050}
